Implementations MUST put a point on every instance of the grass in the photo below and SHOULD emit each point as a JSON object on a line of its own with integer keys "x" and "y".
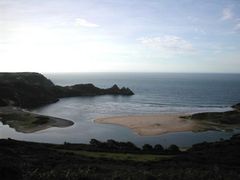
{"x": 219, "y": 121}
{"x": 39, "y": 120}
{"x": 119, "y": 156}
{"x": 228, "y": 117}
{"x": 23, "y": 120}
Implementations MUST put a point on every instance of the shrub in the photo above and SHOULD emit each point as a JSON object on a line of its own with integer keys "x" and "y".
{"x": 147, "y": 147}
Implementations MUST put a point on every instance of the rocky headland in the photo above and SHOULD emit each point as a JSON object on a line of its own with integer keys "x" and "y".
{"x": 227, "y": 120}
{"x": 28, "y": 90}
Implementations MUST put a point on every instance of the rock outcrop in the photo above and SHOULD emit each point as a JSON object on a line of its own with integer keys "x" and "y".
{"x": 218, "y": 119}
{"x": 90, "y": 90}
{"x": 33, "y": 89}
{"x": 26, "y": 89}
{"x": 236, "y": 107}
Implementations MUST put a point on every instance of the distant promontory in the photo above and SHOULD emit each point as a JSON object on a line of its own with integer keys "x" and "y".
{"x": 28, "y": 90}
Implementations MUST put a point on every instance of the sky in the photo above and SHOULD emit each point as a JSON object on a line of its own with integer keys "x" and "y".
{"x": 120, "y": 36}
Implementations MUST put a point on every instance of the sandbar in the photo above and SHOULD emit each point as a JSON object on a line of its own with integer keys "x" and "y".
{"x": 149, "y": 125}
{"x": 27, "y": 122}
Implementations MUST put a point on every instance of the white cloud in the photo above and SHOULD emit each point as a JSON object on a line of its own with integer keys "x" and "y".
{"x": 84, "y": 23}
{"x": 227, "y": 14}
{"x": 172, "y": 44}
{"x": 237, "y": 27}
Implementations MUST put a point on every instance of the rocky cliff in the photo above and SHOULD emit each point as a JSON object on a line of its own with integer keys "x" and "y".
{"x": 33, "y": 89}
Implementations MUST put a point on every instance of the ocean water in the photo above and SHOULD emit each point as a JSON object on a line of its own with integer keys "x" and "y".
{"x": 155, "y": 93}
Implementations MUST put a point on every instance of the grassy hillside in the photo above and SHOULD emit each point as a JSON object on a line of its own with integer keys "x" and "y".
{"x": 205, "y": 161}
{"x": 29, "y": 90}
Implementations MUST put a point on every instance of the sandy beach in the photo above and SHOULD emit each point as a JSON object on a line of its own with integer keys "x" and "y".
{"x": 147, "y": 125}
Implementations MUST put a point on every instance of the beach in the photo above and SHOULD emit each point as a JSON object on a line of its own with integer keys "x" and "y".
{"x": 150, "y": 125}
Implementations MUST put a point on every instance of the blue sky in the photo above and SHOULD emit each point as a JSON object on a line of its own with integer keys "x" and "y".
{"x": 120, "y": 35}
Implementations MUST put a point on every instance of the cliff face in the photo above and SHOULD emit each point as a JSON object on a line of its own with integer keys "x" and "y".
{"x": 34, "y": 79}
{"x": 90, "y": 90}
{"x": 33, "y": 89}
{"x": 26, "y": 89}
{"x": 236, "y": 107}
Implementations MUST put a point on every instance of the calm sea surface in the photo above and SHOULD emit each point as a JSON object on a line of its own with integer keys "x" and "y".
{"x": 155, "y": 93}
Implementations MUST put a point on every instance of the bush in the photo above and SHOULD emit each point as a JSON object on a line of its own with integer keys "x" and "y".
{"x": 158, "y": 148}
{"x": 94, "y": 142}
{"x": 147, "y": 147}
{"x": 173, "y": 149}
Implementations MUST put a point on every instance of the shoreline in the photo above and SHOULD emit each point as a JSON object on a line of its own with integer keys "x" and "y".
{"x": 150, "y": 125}
{"x": 25, "y": 121}
{"x": 54, "y": 122}
{"x": 158, "y": 124}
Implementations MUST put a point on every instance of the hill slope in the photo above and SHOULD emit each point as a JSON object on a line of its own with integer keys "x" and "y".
{"x": 205, "y": 161}
{"x": 33, "y": 89}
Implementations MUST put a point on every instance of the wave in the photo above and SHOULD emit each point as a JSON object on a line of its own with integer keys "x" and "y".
{"x": 186, "y": 105}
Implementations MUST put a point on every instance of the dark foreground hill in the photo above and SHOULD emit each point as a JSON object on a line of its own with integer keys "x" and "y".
{"x": 205, "y": 161}
{"x": 33, "y": 89}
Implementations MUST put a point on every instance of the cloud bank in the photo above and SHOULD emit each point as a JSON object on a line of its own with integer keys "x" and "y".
{"x": 85, "y": 23}
{"x": 227, "y": 14}
{"x": 173, "y": 44}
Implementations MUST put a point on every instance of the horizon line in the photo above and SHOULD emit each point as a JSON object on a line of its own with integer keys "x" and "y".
{"x": 118, "y": 72}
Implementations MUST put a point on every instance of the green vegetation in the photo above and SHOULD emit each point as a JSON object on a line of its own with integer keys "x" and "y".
{"x": 147, "y": 147}
{"x": 23, "y": 121}
{"x": 28, "y": 90}
{"x": 119, "y": 156}
{"x": 173, "y": 148}
{"x": 40, "y": 120}
{"x": 27, "y": 122}
{"x": 227, "y": 121}
{"x": 205, "y": 161}
{"x": 112, "y": 146}
{"x": 229, "y": 117}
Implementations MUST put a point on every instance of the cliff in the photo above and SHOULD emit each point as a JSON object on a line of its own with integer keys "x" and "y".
{"x": 26, "y": 89}
{"x": 236, "y": 107}
{"x": 33, "y": 89}
{"x": 90, "y": 90}
{"x": 218, "y": 118}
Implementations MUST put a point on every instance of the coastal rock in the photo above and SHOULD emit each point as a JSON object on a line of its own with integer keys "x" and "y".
{"x": 32, "y": 78}
{"x": 78, "y": 90}
{"x": 218, "y": 118}
{"x": 29, "y": 90}
{"x": 3, "y": 103}
{"x": 26, "y": 89}
{"x": 116, "y": 90}
{"x": 90, "y": 90}
{"x": 236, "y": 106}
{"x": 126, "y": 91}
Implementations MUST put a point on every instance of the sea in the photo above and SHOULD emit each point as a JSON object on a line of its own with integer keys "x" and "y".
{"x": 155, "y": 93}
